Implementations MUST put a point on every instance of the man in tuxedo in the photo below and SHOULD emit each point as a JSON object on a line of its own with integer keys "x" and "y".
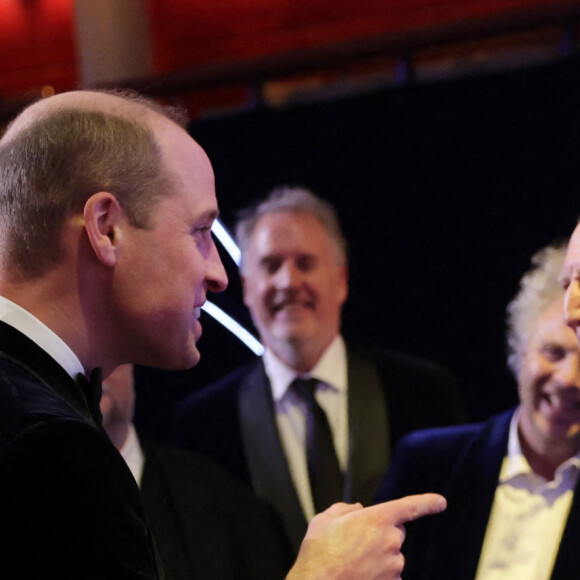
{"x": 106, "y": 256}
{"x": 511, "y": 482}
{"x": 204, "y": 522}
{"x": 255, "y": 421}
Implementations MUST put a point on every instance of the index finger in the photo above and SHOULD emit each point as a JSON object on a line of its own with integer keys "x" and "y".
{"x": 412, "y": 507}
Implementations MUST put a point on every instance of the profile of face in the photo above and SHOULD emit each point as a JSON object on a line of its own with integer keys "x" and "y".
{"x": 118, "y": 399}
{"x": 549, "y": 385}
{"x": 164, "y": 273}
{"x": 571, "y": 282}
{"x": 294, "y": 283}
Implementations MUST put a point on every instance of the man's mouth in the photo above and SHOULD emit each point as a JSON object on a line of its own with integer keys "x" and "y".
{"x": 197, "y": 313}
{"x": 561, "y": 405}
{"x": 291, "y": 307}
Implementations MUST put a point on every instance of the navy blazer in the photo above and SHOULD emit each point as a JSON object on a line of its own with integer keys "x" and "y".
{"x": 69, "y": 506}
{"x": 206, "y": 524}
{"x": 463, "y": 464}
{"x": 389, "y": 394}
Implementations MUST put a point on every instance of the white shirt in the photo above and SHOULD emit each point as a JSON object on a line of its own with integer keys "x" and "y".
{"x": 528, "y": 517}
{"x": 132, "y": 453}
{"x": 38, "y": 332}
{"x": 331, "y": 395}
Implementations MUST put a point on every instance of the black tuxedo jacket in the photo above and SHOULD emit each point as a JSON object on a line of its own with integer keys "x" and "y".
{"x": 206, "y": 524}
{"x": 69, "y": 506}
{"x": 463, "y": 464}
{"x": 389, "y": 394}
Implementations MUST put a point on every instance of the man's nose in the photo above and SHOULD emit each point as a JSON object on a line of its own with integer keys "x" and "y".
{"x": 216, "y": 277}
{"x": 287, "y": 276}
{"x": 572, "y": 305}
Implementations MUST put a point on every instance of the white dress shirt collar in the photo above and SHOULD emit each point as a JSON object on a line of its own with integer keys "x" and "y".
{"x": 516, "y": 463}
{"x": 331, "y": 369}
{"x": 132, "y": 453}
{"x": 35, "y": 330}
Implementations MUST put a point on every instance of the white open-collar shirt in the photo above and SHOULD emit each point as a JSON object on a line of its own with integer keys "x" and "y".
{"x": 331, "y": 394}
{"x": 527, "y": 518}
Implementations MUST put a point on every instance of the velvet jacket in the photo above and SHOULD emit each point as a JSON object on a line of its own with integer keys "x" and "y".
{"x": 463, "y": 464}
{"x": 69, "y": 506}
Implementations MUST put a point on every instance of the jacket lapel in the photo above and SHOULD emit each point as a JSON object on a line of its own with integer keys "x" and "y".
{"x": 469, "y": 500}
{"x": 26, "y": 354}
{"x": 567, "y": 562}
{"x": 369, "y": 446}
{"x": 267, "y": 464}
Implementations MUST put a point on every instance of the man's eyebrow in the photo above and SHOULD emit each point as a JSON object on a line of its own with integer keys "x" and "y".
{"x": 209, "y": 215}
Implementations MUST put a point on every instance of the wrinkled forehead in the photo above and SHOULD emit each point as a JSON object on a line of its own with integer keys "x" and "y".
{"x": 292, "y": 229}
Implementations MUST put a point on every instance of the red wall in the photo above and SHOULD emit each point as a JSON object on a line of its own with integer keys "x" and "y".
{"x": 188, "y": 32}
{"x": 37, "y": 45}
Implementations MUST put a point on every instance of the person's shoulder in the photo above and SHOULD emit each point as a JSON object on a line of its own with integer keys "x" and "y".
{"x": 421, "y": 392}
{"x": 221, "y": 390}
{"x": 58, "y": 435}
{"x": 403, "y": 362}
{"x": 215, "y": 404}
{"x": 26, "y": 401}
{"x": 424, "y": 459}
{"x": 438, "y": 437}
{"x": 208, "y": 421}
{"x": 204, "y": 477}
{"x": 65, "y": 489}
{"x": 68, "y": 454}
{"x": 449, "y": 439}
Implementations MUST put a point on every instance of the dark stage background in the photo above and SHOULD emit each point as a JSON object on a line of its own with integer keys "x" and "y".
{"x": 444, "y": 191}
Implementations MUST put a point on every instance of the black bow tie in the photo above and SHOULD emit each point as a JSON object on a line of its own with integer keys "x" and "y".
{"x": 92, "y": 390}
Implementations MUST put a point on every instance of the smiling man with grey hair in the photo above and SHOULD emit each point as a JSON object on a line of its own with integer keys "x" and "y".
{"x": 313, "y": 421}
{"x": 511, "y": 482}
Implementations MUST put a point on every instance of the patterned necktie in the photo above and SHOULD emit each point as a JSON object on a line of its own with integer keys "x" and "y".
{"x": 326, "y": 479}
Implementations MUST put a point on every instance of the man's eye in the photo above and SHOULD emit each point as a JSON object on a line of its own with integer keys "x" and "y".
{"x": 271, "y": 267}
{"x": 305, "y": 264}
{"x": 553, "y": 352}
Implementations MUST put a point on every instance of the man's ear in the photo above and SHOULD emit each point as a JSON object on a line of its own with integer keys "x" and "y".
{"x": 102, "y": 215}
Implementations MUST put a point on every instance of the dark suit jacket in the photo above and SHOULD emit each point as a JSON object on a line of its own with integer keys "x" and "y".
{"x": 389, "y": 394}
{"x": 463, "y": 464}
{"x": 69, "y": 506}
{"x": 206, "y": 524}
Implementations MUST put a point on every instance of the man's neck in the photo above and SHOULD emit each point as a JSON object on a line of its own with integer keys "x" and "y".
{"x": 544, "y": 462}
{"x": 302, "y": 357}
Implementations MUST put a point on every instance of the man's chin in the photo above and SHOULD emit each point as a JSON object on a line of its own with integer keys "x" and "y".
{"x": 184, "y": 361}
{"x": 294, "y": 328}
{"x": 192, "y": 359}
